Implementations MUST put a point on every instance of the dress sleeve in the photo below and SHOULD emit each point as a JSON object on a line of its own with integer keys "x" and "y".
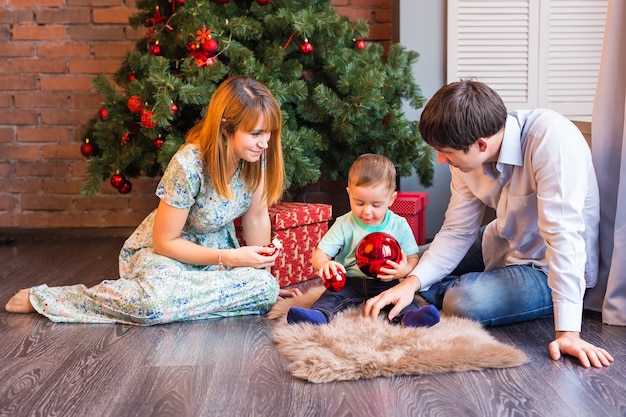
{"x": 182, "y": 179}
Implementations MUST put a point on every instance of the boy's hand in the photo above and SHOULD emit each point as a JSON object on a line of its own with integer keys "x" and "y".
{"x": 329, "y": 269}
{"x": 395, "y": 270}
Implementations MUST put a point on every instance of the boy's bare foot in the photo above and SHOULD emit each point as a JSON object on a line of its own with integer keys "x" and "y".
{"x": 20, "y": 303}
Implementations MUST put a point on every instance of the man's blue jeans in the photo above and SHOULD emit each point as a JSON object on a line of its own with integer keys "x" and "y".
{"x": 501, "y": 296}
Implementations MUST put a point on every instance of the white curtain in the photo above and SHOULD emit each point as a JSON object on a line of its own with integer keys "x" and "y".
{"x": 608, "y": 136}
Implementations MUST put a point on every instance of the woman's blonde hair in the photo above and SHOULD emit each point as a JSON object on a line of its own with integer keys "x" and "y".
{"x": 238, "y": 104}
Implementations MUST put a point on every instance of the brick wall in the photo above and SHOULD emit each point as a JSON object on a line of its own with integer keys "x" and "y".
{"x": 50, "y": 51}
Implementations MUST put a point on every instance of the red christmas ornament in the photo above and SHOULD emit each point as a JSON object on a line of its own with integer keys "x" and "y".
{"x": 155, "y": 49}
{"x": 174, "y": 109}
{"x": 192, "y": 46}
{"x": 153, "y": 21}
{"x": 117, "y": 180}
{"x": 336, "y": 282}
{"x": 276, "y": 245}
{"x": 374, "y": 250}
{"x": 158, "y": 142}
{"x": 125, "y": 187}
{"x": 210, "y": 47}
{"x": 124, "y": 139}
{"x": 306, "y": 48}
{"x": 87, "y": 148}
{"x": 360, "y": 43}
{"x": 103, "y": 113}
{"x": 263, "y": 2}
{"x": 134, "y": 104}
{"x": 146, "y": 119}
{"x": 131, "y": 77}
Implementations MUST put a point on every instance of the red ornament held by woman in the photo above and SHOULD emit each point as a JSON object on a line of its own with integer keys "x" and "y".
{"x": 374, "y": 250}
{"x": 276, "y": 245}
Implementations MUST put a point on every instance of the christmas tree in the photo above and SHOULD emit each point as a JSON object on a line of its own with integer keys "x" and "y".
{"x": 340, "y": 95}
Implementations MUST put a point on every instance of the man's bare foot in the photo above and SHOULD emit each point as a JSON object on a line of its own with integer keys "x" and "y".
{"x": 20, "y": 303}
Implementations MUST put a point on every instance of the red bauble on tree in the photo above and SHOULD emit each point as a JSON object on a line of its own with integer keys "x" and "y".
{"x": 210, "y": 47}
{"x": 306, "y": 48}
{"x": 155, "y": 49}
{"x": 134, "y": 104}
{"x": 146, "y": 119}
{"x": 174, "y": 109}
{"x": 103, "y": 113}
{"x": 87, "y": 148}
{"x": 360, "y": 43}
{"x": 158, "y": 142}
{"x": 117, "y": 180}
{"x": 131, "y": 77}
{"x": 336, "y": 282}
{"x": 374, "y": 250}
{"x": 125, "y": 187}
{"x": 263, "y": 2}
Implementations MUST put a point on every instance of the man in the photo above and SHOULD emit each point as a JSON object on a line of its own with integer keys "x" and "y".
{"x": 541, "y": 251}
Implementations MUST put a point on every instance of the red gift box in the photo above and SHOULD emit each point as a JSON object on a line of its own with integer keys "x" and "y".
{"x": 300, "y": 227}
{"x": 412, "y": 206}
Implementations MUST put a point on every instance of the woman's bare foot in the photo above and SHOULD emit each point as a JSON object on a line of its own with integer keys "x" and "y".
{"x": 20, "y": 303}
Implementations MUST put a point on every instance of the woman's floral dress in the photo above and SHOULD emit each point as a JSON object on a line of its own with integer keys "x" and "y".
{"x": 154, "y": 289}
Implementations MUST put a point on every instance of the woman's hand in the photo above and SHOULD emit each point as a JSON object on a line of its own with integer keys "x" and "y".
{"x": 292, "y": 292}
{"x": 254, "y": 256}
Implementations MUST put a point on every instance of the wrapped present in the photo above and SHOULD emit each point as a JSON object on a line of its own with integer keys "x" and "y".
{"x": 412, "y": 206}
{"x": 299, "y": 226}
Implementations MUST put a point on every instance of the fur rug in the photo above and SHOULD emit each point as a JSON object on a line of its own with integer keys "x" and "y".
{"x": 354, "y": 347}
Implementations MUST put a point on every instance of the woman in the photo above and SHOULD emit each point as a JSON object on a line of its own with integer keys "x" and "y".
{"x": 184, "y": 262}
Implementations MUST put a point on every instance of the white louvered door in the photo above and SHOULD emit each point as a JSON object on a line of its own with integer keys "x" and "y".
{"x": 535, "y": 53}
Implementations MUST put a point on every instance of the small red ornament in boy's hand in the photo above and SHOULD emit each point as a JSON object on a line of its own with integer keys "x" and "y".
{"x": 336, "y": 281}
{"x": 276, "y": 245}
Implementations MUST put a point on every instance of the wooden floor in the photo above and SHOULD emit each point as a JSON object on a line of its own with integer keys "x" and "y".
{"x": 229, "y": 367}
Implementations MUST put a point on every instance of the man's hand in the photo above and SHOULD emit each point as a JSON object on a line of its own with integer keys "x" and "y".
{"x": 401, "y": 295}
{"x": 570, "y": 343}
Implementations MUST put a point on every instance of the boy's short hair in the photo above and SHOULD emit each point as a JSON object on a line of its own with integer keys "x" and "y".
{"x": 371, "y": 169}
{"x": 460, "y": 113}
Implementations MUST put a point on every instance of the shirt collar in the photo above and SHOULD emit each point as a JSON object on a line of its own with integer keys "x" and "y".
{"x": 511, "y": 149}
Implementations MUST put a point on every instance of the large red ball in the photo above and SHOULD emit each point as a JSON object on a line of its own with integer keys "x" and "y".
{"x": 374, "y": 250}
{"x": 336, "y": 282}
